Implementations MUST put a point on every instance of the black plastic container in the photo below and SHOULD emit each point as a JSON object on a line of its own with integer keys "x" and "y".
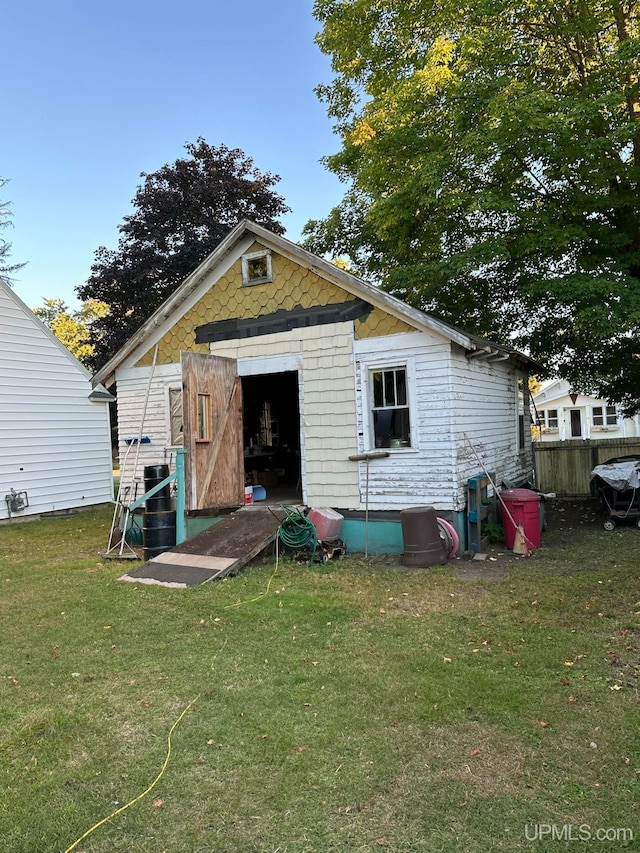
{"x": 158, "y": 533}
{"x": 161, "y": 501}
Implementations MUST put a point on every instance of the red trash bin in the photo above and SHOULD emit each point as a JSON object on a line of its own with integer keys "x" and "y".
{"x": 524, "y": 507}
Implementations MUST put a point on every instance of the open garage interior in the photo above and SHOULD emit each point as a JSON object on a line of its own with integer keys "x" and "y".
{"x": 271, "y": 434}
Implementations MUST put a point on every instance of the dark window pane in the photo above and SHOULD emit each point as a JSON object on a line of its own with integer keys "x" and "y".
{"x": 391, "y": 428}
{"x": 389, "y": 389}
{"x": 378, "y": 397}
{"x": 401, "y": 388}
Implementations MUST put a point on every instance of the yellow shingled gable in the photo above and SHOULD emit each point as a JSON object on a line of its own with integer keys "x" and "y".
{"x": 378, "y": 323}
{"x": 292, "y": 286}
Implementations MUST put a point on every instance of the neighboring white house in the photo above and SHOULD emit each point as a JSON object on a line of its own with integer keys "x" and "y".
{"x": 302, "y": 366}
{"x": 559, "y": 413}
{"x": 55, "y": 443}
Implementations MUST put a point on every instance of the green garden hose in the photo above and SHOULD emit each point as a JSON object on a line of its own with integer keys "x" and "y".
{"x": 296, "y": 532}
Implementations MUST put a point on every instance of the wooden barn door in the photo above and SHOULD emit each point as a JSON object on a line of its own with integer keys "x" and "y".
{"x": 212, "y": 416}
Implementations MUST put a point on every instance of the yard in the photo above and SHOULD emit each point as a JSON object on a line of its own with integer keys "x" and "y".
{"x": 471, "y": 707}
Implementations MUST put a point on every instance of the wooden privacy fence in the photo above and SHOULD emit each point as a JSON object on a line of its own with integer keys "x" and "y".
{"x": 564, "y": 467}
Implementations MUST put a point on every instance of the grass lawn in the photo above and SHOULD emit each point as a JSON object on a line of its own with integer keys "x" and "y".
{"x": 352, "y": 707}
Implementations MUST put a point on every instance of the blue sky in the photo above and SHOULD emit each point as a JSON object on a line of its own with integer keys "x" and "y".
{"x": 93, "y": 94}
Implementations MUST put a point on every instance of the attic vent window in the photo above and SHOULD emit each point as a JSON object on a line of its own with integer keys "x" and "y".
{"x": 256, "y": 268}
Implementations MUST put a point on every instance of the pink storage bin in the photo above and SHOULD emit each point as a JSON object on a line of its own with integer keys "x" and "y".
{"x": 327, "y": 522}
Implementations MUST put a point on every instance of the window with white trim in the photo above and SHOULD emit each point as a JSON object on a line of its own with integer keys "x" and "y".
{"x": 390, "y": 415}
{"x": 604, "y": 416}
{"x": 548, "y": 418}
{"x": 256, "y": 268}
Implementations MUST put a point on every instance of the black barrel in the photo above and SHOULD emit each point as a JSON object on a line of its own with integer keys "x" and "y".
{"x": 422, "y": 543}
{"x": 158, "y": 533}
{"x": 161, "y": 501}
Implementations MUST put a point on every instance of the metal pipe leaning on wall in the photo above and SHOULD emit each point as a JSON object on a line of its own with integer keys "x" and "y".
{"x": 365, "y": 457}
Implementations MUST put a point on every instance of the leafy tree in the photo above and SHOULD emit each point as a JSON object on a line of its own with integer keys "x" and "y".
{"x": 491, "y": 152}
{"x": 181, "y": 213}
{"x": 6, "y": 269}
{"x": 72, "y": 328}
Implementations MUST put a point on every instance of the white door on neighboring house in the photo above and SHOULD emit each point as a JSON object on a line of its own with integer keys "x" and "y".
{"x": 575, "y": 420}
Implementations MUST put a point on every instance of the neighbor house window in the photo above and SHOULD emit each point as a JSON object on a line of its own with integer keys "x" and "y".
{"x": 604, "y": 416}
{"x": 551, "y": 419}
{"x": 256, "y": 268}
{"x": 175, "y": 418}
{"x": 390, "y": 410}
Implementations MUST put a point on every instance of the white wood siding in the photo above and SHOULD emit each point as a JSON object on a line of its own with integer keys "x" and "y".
{"x": 54, "y": 442}
{"x": 450, "y": 397}
{"x": 485, "y": 417}
{"x": 423, "y": 474}
{"x": 134, "y": 388}
{"x": 556, "y": 396}
{"x": 327, "y": 403}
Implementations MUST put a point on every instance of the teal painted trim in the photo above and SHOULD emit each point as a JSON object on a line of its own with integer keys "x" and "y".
{"x": 181, "y": 533}
{"x": 199, "y": 523}
{"x": 384, "y": 537}
{"x": 459, "y": 521}
{"x": 152, "y": 491}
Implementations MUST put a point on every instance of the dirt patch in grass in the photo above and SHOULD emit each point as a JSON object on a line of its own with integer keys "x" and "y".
{"x": 570, "y": 520}
{"x": 566, "y": 522}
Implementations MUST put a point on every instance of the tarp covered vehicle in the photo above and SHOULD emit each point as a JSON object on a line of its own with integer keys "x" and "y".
{"x": 616, "y": 484}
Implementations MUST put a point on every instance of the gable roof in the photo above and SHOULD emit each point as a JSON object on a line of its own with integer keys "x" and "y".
{"x": 242, "y": 236}
{"x": 98, "y": 393}
{"x": 557, "y": 389}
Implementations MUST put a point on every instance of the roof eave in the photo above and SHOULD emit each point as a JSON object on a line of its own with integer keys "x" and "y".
{"x": 351, "y": 283}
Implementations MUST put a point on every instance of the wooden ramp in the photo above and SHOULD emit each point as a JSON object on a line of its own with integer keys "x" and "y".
{"x": 220, "y": 550}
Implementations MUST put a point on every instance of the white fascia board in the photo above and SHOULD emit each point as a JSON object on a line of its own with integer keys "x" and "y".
{"x": 182, "y": 300}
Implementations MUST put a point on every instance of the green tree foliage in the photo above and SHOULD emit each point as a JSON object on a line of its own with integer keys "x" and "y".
{"x": 491, "y": 152}
{"x": 6, "y": 269}
{"x": 72, "y": 328}
{"x": 181, "y": 212}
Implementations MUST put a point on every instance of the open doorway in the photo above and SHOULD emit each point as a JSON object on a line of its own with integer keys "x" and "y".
{"x": 271, "y": 434}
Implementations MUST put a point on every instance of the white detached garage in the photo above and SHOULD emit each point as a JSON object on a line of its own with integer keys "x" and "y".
{"x": 55, "y": 445}
{"x": 274, "y": 364}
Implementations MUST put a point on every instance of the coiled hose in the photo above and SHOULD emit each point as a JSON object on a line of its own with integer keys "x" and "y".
{"x": 296, "y": 532}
